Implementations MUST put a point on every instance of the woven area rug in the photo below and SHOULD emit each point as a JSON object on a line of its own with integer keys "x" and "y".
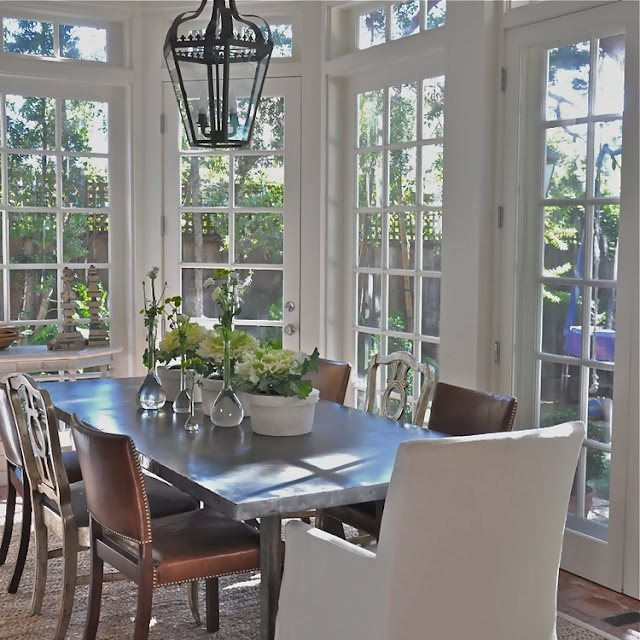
{"x": 171, "y": 618}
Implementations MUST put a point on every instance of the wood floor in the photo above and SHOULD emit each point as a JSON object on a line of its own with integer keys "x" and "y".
{"x": 608, "y": 611}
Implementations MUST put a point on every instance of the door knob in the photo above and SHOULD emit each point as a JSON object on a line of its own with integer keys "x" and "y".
{"x": 289, "y": 305}
{"x": 289, "y": 329}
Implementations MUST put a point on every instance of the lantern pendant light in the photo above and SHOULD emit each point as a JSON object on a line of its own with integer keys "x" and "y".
{"x": 218, "y": 74}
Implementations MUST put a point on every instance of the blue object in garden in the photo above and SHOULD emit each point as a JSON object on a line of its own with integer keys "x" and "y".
{"x": 595, "y": 409}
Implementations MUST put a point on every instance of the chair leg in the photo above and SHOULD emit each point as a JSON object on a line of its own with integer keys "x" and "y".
{"x": 329, "y": 524}
{"x": 25, "y": 534}
{"x": 8, "y": 522}
{"x": 192, "y": 595}
{"x": 143, "y": 614}
{"x": 69, "y": 579}
{"x": 95, "y": 596}
{"x": 212, "y": 605}
{"x": 42, "y": 558}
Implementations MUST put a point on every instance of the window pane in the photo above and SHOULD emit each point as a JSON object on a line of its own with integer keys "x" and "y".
{"x": 268, "y": 129}
{"x": 569, "y": 172}
{"x": 608, "y": 159}
{"x": 28, "y": 37}
{"x": 282, "y": 35}
{"x": 85, "y": 237}
{"x": 430, "y": 355}
{"x": 369, "y": 292}
{"x": 367, "y": 346}
{"x": 370, "y": 109}
{"x": 372, "y": 27}
{"x": 84, "y": 126}
{"x": 436, "y": 13}
{"x": 433, "y": 108}
{"x": 259, "y": 181}
{"x": 610, "y": 75}
{"x": 30, "y": 122}
{"x": 563, "y": 234}
{"x": 562, "y": 320}
{"x": 403, "y": 110}
{"x": 560, "y": 392}
{"x": 82, "y": 300}
{"x": 370, "y": 179}
{"x": 602, "y": 336}
{"x": 400, "y": 344}
{"x": 205, "y": 181}
{"x": 605, "y": 239}
{"x": 263, "y": 297}
{"x": 401, "y": 303}
{"x": 32, "y": 238}
{"x": 402, "y": 176}
{"x": 405, "y": 19}
{"x": 83, "y": 43}
{"x": 568, "y": 82}
{"x": 402, "y": 241}
{"x": 32, "y": 180}
{"x": 195, "y": 298}
{"x": 431, "y": 240}
{"x": 431, "y": 306}
{"x": 33, "y": 294}
{"x": 259, "y": 238}
{"x": 205, "y": 237}
{"x": 432, "y": 156}
{"x": 85, "y": 182}
{"x": 369, "y": 240}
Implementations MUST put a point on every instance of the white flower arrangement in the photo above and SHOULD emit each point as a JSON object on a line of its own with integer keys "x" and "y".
{"x": 211, "y": 349}
{"x": 271, "y": 371}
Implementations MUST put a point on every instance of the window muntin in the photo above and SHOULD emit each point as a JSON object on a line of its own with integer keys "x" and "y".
{"x": 398, "y": 21}
{"x": 398, "y": 200}
{"x": 55, "y": 209}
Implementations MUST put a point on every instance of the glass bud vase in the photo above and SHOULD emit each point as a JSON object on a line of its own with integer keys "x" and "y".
{"x": 182, "y": 403}
{"x": 151, "y": 395}
{"x": 226, "y": 410}
{"x": 192, "y": 422}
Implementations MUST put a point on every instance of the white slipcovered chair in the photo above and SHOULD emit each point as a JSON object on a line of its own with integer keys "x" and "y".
{"x": 480, "y": 559}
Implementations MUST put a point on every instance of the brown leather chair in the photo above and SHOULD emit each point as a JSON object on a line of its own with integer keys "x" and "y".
{"x": 456, "y": 411}
{"x": 59, "y": 506}
{"x": 198, "y": 545}
{"x": 331, "y": 379}
{"x": 18, "y": 485}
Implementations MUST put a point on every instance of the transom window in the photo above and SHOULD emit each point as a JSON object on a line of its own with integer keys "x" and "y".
{"x": 399, "y": 21}
{"x": 54, "y": 40}
{"x": 398, "y": 222}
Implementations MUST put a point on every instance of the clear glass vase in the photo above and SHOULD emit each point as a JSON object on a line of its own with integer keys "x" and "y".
{"x": 226, "y": 410}
{"x": 182, "y": 403}
{"x": 151, "y": 395}
{"x": 192, "y": 423}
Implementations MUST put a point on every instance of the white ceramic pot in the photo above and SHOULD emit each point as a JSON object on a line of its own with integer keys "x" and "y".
{"x": 170, "y": 379}
{"x": 280, "y": 416}
{"x": 211, "y": 387}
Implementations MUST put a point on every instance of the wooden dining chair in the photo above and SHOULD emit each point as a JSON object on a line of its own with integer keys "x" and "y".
{"x": 18, "y": 485}
{"x": 197, "y": 545}
{"x": 58, "y": 505}
{"x": 392, "y": 399}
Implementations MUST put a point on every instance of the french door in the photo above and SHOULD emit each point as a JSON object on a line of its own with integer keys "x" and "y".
{"x": 238, "y": 209}
{"x": 572, "y": 107}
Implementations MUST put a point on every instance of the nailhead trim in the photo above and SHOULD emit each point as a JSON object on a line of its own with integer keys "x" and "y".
{"x": 215, "y": 575}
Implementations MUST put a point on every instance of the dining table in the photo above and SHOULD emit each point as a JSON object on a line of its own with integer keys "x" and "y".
{"x": 348, "y": 457}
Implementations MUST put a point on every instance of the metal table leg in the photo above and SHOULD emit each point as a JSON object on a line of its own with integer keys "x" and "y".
{"x": 270, "y": 575}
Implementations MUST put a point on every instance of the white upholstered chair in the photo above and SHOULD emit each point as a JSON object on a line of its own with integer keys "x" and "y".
{"x": 480, "y": 560}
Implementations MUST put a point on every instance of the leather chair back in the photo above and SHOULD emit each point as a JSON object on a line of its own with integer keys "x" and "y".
{"x": 458, "y": 411}
{"x": 116, "y": 495}
{"x": 331, "y": 379}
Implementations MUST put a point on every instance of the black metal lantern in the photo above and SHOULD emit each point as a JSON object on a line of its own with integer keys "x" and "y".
{"x": 218, "y": 74}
